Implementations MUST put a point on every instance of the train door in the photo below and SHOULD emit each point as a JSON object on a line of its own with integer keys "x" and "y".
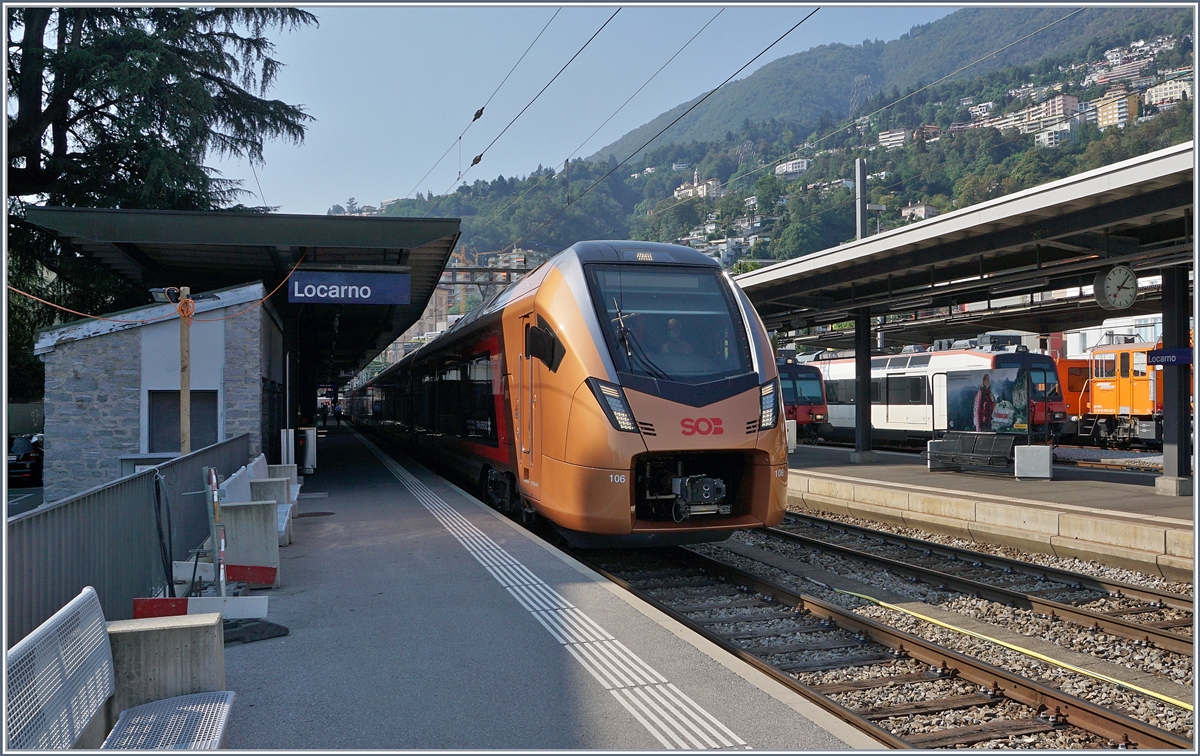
{"x": 528, "y": 421}
{"x": 1124, "y": 385}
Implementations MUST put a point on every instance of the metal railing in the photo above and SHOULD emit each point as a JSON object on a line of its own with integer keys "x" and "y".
{"x": 107, "y": 537}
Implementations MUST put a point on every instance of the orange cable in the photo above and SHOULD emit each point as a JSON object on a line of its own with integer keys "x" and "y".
{"x": 259, "y": 302}
{"x": 81, "y": 314}
{"x": 185, "y": 308}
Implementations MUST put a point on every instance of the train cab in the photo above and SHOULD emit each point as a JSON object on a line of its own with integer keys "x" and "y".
{"x": 803, "y": 397}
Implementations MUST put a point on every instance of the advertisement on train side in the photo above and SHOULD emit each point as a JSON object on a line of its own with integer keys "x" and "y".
{"x": 987, "y": 400}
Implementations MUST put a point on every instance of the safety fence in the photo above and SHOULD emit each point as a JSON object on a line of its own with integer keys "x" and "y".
{"x": 108, "y": 537}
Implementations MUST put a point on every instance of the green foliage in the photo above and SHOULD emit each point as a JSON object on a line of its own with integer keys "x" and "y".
{"x": 800, "y": 88}
{"x": 744, "y": 266}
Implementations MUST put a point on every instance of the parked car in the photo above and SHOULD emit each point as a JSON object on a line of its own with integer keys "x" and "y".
{"x": 25, "y": 459}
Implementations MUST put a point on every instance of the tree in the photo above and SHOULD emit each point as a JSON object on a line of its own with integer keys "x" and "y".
{"x": 352, "y": 206}
{"x": 744, "y": 266}
{"x": 119, "y": 107}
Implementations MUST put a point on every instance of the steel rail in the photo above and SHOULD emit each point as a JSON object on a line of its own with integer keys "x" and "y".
{"x": 1118, "y": 728}
{"x": 828, "y": 704}
{"x": 1161, "y": 638}
{"x": 1111, "y": 587}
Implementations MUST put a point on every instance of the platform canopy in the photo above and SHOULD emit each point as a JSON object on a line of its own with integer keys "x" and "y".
{"x": 1003, "y": 257}
{"x": 213, "y": 250}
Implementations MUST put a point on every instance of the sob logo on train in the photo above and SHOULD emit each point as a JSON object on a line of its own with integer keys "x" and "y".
{"x": 704, "y": 426}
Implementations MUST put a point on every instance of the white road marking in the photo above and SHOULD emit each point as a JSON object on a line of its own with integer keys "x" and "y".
{"x": 671, "y": 717}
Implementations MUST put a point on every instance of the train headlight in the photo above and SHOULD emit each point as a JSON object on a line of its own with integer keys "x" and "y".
{"x": 769, "y": 402}
{"x": 819, "y": 417}
{"x": 616, "y": 408}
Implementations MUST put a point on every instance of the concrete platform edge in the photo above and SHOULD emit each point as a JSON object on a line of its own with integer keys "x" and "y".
{"x": 802, "y": 706}
{"x": 1145, "y": 543}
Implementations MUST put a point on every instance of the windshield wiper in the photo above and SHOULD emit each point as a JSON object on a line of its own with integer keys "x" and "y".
{"x": 633, "y": 348}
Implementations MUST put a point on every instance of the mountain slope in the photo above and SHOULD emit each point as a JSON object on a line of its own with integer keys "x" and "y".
{"x": 800, "y": 87}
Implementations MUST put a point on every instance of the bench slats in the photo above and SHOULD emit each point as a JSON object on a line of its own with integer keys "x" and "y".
{"x": 197, "y": 721}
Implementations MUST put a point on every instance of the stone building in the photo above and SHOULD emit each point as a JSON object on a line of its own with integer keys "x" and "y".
{"x": 112, "y": 386}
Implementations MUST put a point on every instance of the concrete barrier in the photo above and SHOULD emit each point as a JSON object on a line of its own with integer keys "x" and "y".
{"x": 251, "y": 534}
{"x": 1144, "y": 544}
{"x": 164, "y": 657}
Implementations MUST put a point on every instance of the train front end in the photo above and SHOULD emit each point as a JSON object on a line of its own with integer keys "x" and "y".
{"x": 677, "y": 434}
{"x": 803, "y": 396}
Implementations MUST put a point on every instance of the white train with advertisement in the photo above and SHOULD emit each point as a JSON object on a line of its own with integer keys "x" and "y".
{"x": 908, "y": 391}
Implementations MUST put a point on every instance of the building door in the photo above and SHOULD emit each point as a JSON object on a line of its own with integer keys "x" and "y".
{"x": 164, "y": 420}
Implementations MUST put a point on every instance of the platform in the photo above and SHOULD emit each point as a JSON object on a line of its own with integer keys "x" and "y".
{"x": 402, "y": 638}
{"x": 1109, "y": 516}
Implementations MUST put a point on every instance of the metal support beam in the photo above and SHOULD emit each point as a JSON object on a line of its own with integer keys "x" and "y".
{"x": 1177, "y": 414}
{"x": 860, "y": 198}
{"x": 862, "y": 389}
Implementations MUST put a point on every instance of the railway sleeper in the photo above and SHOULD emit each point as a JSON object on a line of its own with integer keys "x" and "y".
{"x": 706, "y": 606}
{"x": 1001, "y": 728}
{"x": 749, "y": 618}
{"x": 819, "y": 645}
{"x": 826, "y": 665}
{"x": 851, "y": 686}
{"x": 910, "y": 708}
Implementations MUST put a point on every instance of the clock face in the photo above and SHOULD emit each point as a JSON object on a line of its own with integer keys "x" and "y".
{"x": 1116, "y": 288}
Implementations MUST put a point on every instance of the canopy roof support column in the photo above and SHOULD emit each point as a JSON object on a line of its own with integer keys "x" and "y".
{"x": 1177, "y": 412}
{"x": 862, "y": 389}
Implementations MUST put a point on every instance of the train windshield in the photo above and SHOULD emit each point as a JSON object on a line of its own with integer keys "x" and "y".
{"x": 800, "y": 388}
{"x": 670, "y": 323}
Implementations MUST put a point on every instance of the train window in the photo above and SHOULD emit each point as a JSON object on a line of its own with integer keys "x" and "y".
{"x": 879, "y": 362}
{"x": 1139, "y": 364}
{"x": 1076, "y": 378}
{"x": 787, "y": 384}
{"x": 1105, "y": 365}
{"x": 897, "y": 390}
{"x": 897, "y": 363}
{"x": 917, "y": 393}
{"x": 877, "y": 391}
{"x": 480, "y": 404}
{"x": 920, "y": 360}
{"x": 670, "y": 323}
{"x": 808, "y": 389}
{"x": 1124, "y": 364}
{"x": 831, "y": 392}
{"x": 849, "y": 391}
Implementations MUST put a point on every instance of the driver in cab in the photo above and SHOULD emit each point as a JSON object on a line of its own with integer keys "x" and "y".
{"x": 675, "y": 344}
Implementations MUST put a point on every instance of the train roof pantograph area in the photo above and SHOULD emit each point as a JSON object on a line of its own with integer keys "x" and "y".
{"x": 1051, "y": 237}
{"x": 214, "y": 250}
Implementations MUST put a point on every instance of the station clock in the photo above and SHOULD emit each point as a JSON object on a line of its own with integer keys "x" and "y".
{"x": 1116, "y": 288}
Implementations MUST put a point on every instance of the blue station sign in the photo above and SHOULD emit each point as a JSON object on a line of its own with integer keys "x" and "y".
{"x": 335, "y": 287}
{"x": 1170, "y": 356}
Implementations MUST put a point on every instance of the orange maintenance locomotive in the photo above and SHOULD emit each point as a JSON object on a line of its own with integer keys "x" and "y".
{"x": 625, "y": 391}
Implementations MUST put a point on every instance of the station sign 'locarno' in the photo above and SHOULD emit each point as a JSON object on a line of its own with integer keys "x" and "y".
{"x": 335, "y": 287}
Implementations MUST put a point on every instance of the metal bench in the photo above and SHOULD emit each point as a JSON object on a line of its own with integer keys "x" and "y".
{"x": 61, "y": 675}
{"x": 975, "y": 449}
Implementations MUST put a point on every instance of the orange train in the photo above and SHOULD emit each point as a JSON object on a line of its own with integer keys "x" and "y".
{"x": 625, "y": 391}
{"x": 1113, "y": 396}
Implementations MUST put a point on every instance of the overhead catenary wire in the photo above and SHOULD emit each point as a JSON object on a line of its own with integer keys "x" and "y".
{"x": 479, "y": 112}
{"x": 697, "y": 104}
{"x": 845, "y": 124}
{"x": 475, "y": 161}
{"x": 606, "y": 120}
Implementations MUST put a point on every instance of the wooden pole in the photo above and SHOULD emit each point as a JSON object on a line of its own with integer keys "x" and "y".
{"x": 185, "y": 377}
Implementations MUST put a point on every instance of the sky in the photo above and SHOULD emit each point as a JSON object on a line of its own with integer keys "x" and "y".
{"x": 391, "y": 88}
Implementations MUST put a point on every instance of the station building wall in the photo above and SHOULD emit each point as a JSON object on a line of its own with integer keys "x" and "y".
{"x": 105, "y": 381}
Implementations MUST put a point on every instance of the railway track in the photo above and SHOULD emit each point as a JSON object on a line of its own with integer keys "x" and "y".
{"x": 1143, "y": 615}
{"x": 901, "y": 689}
